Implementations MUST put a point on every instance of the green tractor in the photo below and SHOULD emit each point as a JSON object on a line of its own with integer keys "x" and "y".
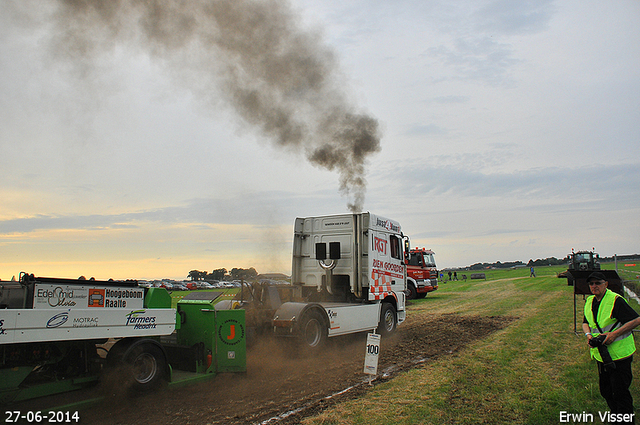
{"x": 584, "y": 260}
{"x": 581, "y": 265}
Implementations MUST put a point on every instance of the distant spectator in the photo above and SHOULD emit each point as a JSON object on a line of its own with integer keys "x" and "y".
{"x": 455, "y": 275}
{"x": 449, "y": 274}
{"x": 533, "y": 272}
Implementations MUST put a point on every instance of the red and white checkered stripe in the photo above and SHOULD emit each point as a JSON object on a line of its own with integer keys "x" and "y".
{"x": 381, "y": 285}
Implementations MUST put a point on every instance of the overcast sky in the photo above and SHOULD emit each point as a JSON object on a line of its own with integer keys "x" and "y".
{"x": 509, "y": 130}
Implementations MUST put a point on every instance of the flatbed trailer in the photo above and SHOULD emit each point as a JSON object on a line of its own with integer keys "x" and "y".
{"x": 57, "y": 335}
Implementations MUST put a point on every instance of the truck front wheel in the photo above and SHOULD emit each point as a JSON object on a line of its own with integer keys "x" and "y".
{"x": 411, "y": 291}
{"x": 388, "y": 320}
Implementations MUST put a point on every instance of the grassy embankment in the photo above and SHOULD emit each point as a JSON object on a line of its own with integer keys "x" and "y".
{"x": 227, "y": 294}
{"x": 526, "y": 373}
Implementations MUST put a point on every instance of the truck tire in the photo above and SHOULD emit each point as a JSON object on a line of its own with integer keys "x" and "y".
{"x": 411, "y": 291}
{"x": 146, "y": 366}
{"x": 313, "y": 332}
{"x": 388, "y": 320}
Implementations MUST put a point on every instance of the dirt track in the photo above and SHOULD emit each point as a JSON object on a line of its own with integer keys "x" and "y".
{"x": 277, "y": 389}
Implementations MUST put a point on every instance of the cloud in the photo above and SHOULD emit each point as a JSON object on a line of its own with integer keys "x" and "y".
{"x": 435, "y": 234}
{"x": 426, "y": 130}
{"x": 618, "y": 184}
{"x": 503, "y": 123}
{"x": 258, "y": 209}
{"x": 450, "y": 99}
{"x": 480, "y": 47}
{"x": 514, "y": 17}
{"x": 477, "y": 58}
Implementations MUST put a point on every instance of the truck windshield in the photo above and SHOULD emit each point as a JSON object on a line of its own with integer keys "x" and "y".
{"x": 415, "y": 260}
{"x": 429, "y": 260}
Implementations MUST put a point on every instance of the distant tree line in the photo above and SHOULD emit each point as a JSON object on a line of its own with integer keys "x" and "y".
{"x": 496, "y": 265}
{"x": 222, "y": 274}
{"x": 629, "y": 257}
{"x": 550, "y": 261}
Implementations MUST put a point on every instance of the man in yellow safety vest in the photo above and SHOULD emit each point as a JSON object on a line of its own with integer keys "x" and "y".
{"x": 607, "y": 324}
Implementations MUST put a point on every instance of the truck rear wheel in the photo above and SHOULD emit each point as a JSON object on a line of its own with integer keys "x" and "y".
{"x": 388, "y": 320}
{"x": 313, "y": 332}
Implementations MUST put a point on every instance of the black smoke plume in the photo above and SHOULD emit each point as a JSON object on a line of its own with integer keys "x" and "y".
{"x": 278, "y": 77}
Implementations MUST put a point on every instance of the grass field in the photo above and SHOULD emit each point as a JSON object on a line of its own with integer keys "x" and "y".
{"x": 526, "y": 373}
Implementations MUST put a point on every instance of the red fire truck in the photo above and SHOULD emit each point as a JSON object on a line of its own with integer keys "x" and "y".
{"x": 422, "y": 275}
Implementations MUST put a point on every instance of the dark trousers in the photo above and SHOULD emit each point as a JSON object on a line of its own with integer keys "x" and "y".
{"x": 614, "y": 385}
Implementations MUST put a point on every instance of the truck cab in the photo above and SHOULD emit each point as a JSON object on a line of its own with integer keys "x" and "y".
{"x": 422, "y": 275}
{"x": 349, "y": 272}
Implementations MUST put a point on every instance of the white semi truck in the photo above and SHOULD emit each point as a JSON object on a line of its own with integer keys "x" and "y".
{"x": 348, "y": 276}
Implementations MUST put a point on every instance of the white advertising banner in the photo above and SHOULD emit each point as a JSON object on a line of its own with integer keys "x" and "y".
{"x": 72, "y": 324}
{"x": 86, "y": 296}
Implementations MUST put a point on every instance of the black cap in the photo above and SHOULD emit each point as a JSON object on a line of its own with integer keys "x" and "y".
{"x": 596, "y": 276}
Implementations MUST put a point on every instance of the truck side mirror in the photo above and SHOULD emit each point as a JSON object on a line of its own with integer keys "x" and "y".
{"x": 321, "y": 251}
{"x": 407, "y": 250}
{"x": 334, "y": 250}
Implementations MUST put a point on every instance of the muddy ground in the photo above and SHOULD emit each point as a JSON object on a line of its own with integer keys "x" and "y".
{"x": 278, "y": 389}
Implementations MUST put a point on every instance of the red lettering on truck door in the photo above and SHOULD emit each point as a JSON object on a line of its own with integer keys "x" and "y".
{"x": 380, "y": 245}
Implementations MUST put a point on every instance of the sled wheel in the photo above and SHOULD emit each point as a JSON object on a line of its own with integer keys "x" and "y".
{"x": 147, "y": 366}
